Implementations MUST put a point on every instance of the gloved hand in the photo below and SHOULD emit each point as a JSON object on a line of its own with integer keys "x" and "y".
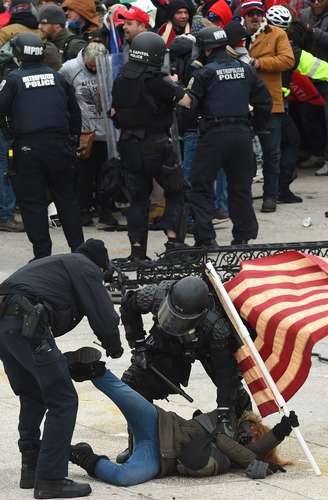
{"x": 114, "y": 354}
{"x": 260, "y": 470}
{"x": 227, "y": 423}
{"x": 300, "y": 33}
{"x": 284, "y": 428}
{"x": 141, "y": 356}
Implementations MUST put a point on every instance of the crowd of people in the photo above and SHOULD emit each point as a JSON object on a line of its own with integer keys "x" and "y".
{"x": 188, "y": 82}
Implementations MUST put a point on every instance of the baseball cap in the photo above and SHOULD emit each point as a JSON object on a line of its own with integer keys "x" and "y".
{"x": 135, "y": 14}
{"x": 52, "y": 14}
{"x": 249, "y": 5}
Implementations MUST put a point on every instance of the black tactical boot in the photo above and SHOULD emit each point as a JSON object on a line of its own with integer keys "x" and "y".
{"x": 83, "y": 456}
{"x": 84, "y": 364}
{"x": 60, "y": 488}
{"x": 29, "y": 461}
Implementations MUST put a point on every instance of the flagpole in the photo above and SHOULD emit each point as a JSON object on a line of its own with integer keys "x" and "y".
{"x": 246, "y": 338}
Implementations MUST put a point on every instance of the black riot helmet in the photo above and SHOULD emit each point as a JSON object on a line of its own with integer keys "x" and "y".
{"x": 211, "y": 38}
{"x": 28, "y": 47}
{"x": 147, "y": 48}
{"x": 184, "y": 306}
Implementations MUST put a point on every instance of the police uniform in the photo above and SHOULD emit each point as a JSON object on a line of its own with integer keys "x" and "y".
{"x": 224, "y": 88}
{"x": 212, "y": 345}
{"x": 43, "y": 114}
{"x": 143, "y": 99}
{"x": 66, "y": 287}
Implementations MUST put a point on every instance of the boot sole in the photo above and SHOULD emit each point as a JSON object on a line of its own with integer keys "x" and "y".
{"x": 26, "y": 484}
{"x": 84, "y": 355}
{"x": 60, "y": 494}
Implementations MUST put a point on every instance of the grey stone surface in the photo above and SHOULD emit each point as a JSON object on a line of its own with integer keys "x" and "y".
{"x": 100, "y": 423}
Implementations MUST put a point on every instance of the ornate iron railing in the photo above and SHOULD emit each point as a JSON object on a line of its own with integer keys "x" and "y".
{"x": 192, "y": 261}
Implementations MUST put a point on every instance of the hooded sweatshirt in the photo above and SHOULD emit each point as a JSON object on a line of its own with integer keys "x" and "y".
{"x": 86, "y": 89}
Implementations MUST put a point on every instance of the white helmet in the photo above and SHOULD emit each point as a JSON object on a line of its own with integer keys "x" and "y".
{"x": 279, "y": 16}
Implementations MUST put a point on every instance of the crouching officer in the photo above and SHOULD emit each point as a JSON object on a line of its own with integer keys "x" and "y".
{"x": 143, "y": 100}
{"x": 189, "y": 324}
{"x": 44, "y": 116}
{"x": 223, "y": 90}
{"x": 45, "y": 299}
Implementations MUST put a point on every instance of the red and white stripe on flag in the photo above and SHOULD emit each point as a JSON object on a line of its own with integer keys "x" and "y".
{"x": 284, "y": 298}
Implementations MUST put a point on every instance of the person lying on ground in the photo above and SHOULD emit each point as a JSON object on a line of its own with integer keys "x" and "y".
{"x": 167, "y": 444}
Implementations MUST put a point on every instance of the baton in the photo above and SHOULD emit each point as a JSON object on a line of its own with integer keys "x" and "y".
{"x": 171, "y": 384}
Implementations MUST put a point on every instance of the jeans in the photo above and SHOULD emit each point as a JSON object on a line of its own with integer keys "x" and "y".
{"x": 190, "y": 141}
{"x": 221, "y": 192}
{"x": 142, "y": 419}
{"x": 7, "y": 196}
{"x": 271, "y": 156}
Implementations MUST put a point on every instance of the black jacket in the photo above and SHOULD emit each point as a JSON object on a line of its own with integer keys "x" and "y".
{"x": 70, "y": 286}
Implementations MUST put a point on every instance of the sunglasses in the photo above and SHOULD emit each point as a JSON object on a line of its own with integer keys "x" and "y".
{"x": 317, "y": 1}
{"x": 254, "y": 13}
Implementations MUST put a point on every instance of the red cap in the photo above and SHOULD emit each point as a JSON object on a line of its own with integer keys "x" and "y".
{"x": 249, "y": 5}
{"x": 135, "y": 14}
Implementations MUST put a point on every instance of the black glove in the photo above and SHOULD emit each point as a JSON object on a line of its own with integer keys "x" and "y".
{"x": 284, "y": 428}
{"x": 141, "y": 356}
{"x": 260, "y": 470}
{"x": 226, "y": 422}
{"x": 300, "y": 33}
{"x": 114, "y": 354}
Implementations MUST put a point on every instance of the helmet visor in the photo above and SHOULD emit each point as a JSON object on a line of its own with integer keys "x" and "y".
{"x": 174, "y": 322}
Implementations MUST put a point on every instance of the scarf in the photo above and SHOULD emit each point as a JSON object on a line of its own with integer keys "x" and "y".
{"x": 262, "y": 29}
{"x": 168, "y": 34}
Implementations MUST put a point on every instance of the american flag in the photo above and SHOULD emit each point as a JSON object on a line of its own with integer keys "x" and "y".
{"x": 285, "y": 299}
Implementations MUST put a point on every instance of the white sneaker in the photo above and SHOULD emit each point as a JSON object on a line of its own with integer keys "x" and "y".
{"x": 323, "y": 170}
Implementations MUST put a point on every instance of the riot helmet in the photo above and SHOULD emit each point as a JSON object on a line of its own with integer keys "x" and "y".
{"x": 28, "y": 47}
{"x": 184, "y": 307}
{"x": 211, "y": 38}
{"x": 147, "y": 48}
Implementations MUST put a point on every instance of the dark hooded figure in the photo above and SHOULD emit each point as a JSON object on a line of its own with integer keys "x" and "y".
{"x": 43, "y": 300}
{"x": 179, "y": 14}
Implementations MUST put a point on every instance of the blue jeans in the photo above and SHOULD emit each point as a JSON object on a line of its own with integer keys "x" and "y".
{"x": 190, "y": 141}
{"x": 142, "y": 419}
{"x": 7, "y": 196}
{"x": 221, "y": 192}
{"x": 271, "y": 156}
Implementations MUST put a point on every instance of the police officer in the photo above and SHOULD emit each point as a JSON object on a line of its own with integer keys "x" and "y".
{"x": 44, "y": 116}
{"x": 223, "y": 90}
{"x": 189, "y": 324}
{"x": 45, "y": 299}
{"x": 143, "y": 100}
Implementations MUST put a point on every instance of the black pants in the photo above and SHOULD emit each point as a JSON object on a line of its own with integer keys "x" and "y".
{"x": 229, "y": 147}
{"x": 42, "y": 163}
{"x": 142, "y": 162}
{"x": 88, "y": 172}
{"x": 38, "y": 374}
{"x": 290, "y": 143}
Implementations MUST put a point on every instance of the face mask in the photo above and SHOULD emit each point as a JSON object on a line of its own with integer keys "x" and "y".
{"x": 74, "y": 25}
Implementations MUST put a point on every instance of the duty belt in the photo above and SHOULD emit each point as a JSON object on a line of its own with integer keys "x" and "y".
{"x": 232, "y": 120}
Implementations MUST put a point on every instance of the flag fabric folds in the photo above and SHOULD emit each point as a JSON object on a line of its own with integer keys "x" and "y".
{"x": 284, "y": 298}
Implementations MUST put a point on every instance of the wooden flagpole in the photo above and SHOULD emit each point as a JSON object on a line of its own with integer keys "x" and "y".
{"x": 246, "y": 338}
